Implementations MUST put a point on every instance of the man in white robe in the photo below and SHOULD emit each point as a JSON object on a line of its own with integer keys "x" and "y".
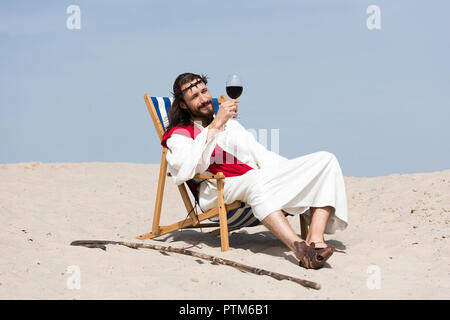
{"x": 312, "y": 184}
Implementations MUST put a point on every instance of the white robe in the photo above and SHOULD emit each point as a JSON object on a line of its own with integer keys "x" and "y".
{"x": 275, "y": 183}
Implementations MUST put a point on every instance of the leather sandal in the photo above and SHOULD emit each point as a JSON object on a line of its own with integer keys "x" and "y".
{"x": 311, "y": 258}
{"x": 328, "y": 246}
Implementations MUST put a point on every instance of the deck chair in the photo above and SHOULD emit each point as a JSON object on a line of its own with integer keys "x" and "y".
{"x": 227, "y": 217}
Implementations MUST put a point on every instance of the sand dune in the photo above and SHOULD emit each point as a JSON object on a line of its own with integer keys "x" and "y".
{"x": 398, "y": 234}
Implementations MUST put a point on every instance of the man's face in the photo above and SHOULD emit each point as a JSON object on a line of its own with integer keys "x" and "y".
{"x": 198, "y": 100}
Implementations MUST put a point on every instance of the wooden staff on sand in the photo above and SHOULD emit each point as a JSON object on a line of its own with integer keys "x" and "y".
{"x": 102, "y": 245}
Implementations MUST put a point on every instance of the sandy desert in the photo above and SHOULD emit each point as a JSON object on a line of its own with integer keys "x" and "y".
{"x": 397, "y": 242}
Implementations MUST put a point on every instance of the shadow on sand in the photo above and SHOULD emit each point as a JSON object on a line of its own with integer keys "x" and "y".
{"x": 263, "y": 242}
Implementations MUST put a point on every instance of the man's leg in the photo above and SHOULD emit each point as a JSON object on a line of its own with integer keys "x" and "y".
{"x": 277, "y": 223}
{"x": 317, "y": 227}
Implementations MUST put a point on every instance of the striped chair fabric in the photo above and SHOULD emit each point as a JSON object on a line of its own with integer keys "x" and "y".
{"x": 240, "y": 217}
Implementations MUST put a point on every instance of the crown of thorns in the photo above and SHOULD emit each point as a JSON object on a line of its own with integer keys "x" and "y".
{"x": 203, "y": 79}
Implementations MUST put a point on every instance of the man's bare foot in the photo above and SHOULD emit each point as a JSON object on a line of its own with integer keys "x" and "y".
{"x": 320, "y": 243}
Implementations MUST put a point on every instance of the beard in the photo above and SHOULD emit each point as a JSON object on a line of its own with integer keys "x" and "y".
{"x": 205, "y": 112}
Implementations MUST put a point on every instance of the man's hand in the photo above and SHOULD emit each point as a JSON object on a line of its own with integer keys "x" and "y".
{"x": 227, "y": 110}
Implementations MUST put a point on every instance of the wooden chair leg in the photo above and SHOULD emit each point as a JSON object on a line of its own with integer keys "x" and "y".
{"x": 224, "y": 241}
{"x": 303, "y": 227}
{"x": 160, "y": 192}
{"x": 187, "y": 202}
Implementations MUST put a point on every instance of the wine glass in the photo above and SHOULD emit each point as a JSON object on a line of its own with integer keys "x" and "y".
{"x": 234, "y": 87}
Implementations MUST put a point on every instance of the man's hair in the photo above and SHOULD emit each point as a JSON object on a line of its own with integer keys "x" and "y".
{"x": 177, "y": 115}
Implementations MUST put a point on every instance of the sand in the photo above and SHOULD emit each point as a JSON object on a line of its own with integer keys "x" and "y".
{"x": 397, "y": 242}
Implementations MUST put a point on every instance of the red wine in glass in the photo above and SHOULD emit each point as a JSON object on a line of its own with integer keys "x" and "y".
{"x": 234, "y": 92}
{"x": 234, "y": 87}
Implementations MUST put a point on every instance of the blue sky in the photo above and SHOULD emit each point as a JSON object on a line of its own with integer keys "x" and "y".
{"x": 378, "y": 99}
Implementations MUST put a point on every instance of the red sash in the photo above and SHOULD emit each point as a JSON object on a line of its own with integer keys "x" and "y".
{"x": 223, "y": 162}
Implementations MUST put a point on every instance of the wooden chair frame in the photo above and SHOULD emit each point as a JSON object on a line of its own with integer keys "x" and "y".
{"x": 194, "y": 220}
